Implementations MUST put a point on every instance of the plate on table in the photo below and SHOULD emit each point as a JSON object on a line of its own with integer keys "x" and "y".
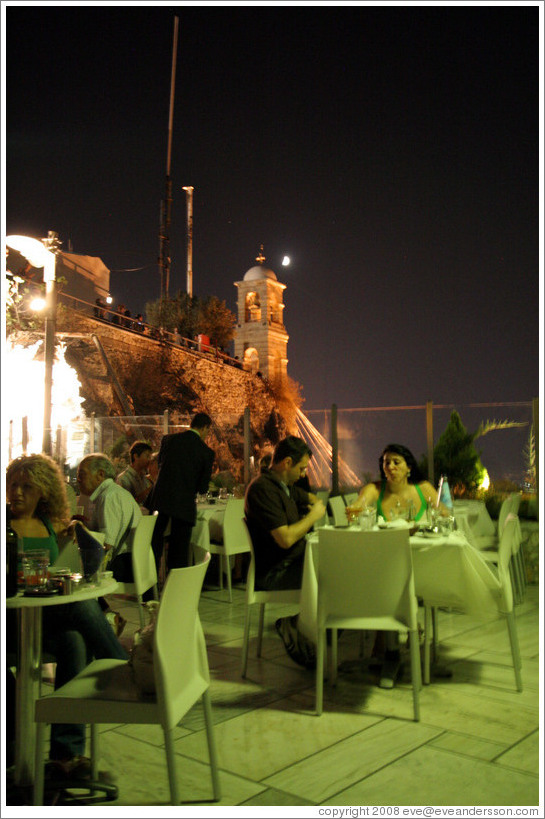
{"x": 429, "y": 533}
{"x": 45, "y": 592}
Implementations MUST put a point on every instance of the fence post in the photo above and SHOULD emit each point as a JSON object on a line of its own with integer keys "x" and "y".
{"x": 535, "y": 413}
{"x": 429, "y": 433}
{"x": 334, "y": 452}
{"x": 165, "y": 422}
{"x": 92, "y": 433}
{"x": 99, "y": 435}
{"x": 246, "y": 446}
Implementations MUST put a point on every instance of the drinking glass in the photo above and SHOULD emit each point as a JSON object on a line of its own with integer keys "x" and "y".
{"x": 35, "y": 565}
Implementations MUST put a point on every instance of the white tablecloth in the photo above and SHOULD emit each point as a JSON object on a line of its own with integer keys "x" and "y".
{"x": 209, "y": 525}
{"x": 448, "y": 571}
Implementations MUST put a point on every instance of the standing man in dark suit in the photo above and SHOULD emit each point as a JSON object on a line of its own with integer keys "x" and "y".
{"x": 185, "y": 468}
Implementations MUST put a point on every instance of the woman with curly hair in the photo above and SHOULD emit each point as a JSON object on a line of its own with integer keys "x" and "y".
{"x": 38, "y": 506}
{"x": 75, "y": 632}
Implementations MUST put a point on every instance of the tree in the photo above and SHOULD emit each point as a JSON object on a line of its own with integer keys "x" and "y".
{"x": 456, "y": 457}
{"x": 216, "y": 320}
{"x": 163, "y": 313}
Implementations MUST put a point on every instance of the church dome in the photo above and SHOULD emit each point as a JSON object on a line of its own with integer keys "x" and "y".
{"x": 259, "y": 272}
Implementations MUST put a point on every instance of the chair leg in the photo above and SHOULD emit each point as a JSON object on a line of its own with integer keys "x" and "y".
{"x": 260, "y": 628}
{"x": 39, "y": 765}
{"x": 435, "y": 633}
{"x": 212, "y": 753}
{"x": 427, "y": 641}
{"x": 141, "y": 610}
{"x": 220, "y": 560}
{"x": 171, "y": 766}
{"x": 94, "y": 754}
{"x": 333, "y": 657}
{"x": 246, "y": 640}
{"x": 415, "y": 672}
{"x": 229, "y": 581}
{"x": 515, "y": 651}
{"x": 320, "y": 650}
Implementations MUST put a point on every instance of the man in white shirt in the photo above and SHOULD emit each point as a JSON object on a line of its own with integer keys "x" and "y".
{"x": 116, "y": 513}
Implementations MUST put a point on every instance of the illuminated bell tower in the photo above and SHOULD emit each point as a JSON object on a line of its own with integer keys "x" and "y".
{"x": 261, "y": 340}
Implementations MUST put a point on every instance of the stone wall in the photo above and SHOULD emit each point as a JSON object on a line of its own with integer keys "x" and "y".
{"x": 155, "y": 376}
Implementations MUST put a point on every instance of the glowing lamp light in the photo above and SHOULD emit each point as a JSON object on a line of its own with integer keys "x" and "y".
{"x": 285, "y": 261}
{"x": 485, "y": 483}
{"x": 109, "y": 300}
{"x": 37, "y": 304}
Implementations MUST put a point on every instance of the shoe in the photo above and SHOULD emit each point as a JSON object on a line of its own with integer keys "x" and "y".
{"x": 116, "y": 621}
{"x": 78, "y": 768}
{"x": 390, "y": 669}
{"x": 284, "y": 629}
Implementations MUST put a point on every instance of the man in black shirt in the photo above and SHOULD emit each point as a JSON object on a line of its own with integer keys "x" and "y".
{"x": 278, "y": 527}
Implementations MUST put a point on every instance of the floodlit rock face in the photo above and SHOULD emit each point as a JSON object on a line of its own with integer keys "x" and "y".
{"x": 154, "y": 377}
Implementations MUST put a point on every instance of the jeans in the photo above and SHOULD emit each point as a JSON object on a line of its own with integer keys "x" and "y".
{"x": 74, "y": 634}
{"x": 285, "y": 575}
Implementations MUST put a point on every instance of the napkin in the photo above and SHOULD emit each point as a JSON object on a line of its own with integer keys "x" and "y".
{"x": 398, "y": 523}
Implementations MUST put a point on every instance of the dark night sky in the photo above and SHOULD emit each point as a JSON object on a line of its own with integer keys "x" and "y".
{"x": 392, "y": 152}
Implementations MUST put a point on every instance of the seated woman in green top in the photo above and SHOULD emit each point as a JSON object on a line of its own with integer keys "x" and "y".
{"x": 402, "y": 484}
{"x": 72, "y": 632}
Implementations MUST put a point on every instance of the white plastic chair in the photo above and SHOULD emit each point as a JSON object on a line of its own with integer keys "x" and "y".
{"x": 501, "y": 598}
{"x": 489, "y": 547}
{"x": 338, "y": 511}
{"x": 105, "y": 691}
{"x": 261, "y": 597}
{"x": 365, "y": 581}
{"x": 143, "y": 565}
{"x": 235, "y": 540}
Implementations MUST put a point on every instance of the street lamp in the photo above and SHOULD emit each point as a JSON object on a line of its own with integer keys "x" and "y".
{"x": 43, "y": 254}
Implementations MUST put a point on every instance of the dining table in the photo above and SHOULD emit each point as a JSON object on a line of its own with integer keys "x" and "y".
{"x": 209, "y": 523}
{"x": 448, "y": 572}
{"x": 29, "y": 664}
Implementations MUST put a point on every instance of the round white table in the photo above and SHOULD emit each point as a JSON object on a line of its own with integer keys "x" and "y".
{"x": 29, "y": 666}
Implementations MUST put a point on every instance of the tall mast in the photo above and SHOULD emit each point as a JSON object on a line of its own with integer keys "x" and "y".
{"x": 189, "y": 191}
{"x": 166, "y": 204}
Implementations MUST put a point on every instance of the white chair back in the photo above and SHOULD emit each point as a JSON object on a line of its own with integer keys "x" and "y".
{"x": 235, "y": 535}
{"x": 350, "y": 498}
{"x": 179, "y": 654}
{"x": 366, "y": 575}
{"x": 338, "y": 511}
{"x": 143, "y": 560}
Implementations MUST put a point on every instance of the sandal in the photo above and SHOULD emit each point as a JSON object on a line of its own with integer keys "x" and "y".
{"x": 283, "y": 628}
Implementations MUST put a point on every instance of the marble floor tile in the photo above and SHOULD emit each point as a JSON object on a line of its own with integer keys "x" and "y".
{"x": 261, "y": 742}
{"x": 524, "y": 756}
{"x": 428, "y": 776}
{"x": 342, "y": 764}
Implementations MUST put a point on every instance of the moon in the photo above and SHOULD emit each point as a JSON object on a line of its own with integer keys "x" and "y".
{"x": 285, "y": 261}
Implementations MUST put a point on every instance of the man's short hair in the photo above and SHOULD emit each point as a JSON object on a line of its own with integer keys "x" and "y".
{"x": 98, "y": 460}
{"x": 291, "y": 447}
{"x": 201, "y": 420}
{"x": 138, "y": 448}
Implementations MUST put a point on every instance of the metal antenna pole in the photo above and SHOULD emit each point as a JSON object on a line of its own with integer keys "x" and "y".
{"x": 166, "y": 209}
{"x": 189, "y": 191}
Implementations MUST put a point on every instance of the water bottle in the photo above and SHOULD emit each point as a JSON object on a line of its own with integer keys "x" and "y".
{"x": 12, "y": 541}
{"x": 444, "y": 493}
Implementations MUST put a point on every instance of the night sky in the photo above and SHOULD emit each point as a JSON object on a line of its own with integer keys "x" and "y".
{"x": 391, "y": 152}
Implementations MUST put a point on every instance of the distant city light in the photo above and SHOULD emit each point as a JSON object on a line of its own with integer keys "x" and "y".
{"x": 286, "y": 261}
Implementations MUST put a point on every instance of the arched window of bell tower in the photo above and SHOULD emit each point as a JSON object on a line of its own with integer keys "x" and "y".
{"x": 252, "y": 311}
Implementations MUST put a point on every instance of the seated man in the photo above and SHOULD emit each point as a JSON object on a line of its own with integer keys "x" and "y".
{"x": 116, "y": 514}
{"x": 134, "y": 478}
{"x": 278, "y": 526}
